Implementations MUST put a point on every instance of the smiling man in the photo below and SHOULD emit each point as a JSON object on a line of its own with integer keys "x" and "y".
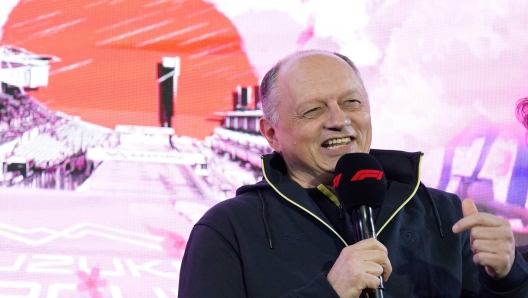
{"x": 287, "y": 236}
{"x": 319, "y": 112}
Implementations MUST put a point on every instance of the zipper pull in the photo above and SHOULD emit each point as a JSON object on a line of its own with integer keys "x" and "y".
{"x": 341, "y": 212}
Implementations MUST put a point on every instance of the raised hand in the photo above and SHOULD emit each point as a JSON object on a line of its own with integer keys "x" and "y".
{"x": 492, "y": 240}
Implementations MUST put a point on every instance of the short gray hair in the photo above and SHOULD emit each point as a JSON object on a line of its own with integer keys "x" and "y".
{"x": 268, "y": 87}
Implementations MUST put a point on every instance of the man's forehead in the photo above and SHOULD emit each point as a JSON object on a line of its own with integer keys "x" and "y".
{"x": 298, "y": 70}
{"x": 306, "y": 59}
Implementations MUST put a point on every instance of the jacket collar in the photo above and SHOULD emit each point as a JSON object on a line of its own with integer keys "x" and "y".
{"x": 401, "y": 169}
{"x": 275, "y": 172}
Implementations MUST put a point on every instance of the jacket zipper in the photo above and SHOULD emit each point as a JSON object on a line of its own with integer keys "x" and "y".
{"x": 341, "y": 208}
{"x": 300, "y": 206}
{"x": 406, "y": 201}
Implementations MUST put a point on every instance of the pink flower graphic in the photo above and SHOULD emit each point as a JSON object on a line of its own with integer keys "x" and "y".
{"x": 91, "y": 283}
{"x": 173, "y": 243}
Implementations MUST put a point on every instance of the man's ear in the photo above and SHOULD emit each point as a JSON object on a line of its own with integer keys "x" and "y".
{"x": 268, "y": 131}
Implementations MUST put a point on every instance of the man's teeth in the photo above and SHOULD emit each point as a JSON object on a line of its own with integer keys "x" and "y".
{"x": 337, "y": 143}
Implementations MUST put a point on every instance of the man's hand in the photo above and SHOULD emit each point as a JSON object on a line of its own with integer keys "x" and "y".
{"x": 492, "y": 239}
{"x": 358, "y": 267}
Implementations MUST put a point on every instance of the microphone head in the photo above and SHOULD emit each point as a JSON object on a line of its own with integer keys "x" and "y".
{"x": 359, "y": 180}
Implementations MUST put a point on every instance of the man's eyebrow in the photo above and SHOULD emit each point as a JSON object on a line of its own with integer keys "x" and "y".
{"x": 351, "y": 91}
{"x": 344, "y": 94}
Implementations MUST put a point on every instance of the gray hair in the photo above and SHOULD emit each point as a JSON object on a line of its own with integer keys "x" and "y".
{"x": 268, "y": 87}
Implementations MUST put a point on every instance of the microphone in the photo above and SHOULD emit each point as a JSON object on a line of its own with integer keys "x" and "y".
{"x": 360, "y": 186}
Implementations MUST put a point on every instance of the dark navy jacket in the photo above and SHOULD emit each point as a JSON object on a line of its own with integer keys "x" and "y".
{"x": 272, "y": 240}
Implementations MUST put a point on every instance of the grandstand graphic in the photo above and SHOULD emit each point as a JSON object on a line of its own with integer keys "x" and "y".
{"x": 23, "y": 69}
{"x": 37, "y": 142}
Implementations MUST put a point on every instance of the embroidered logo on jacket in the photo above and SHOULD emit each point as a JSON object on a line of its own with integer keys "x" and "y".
{"x": 293, "y": 238}
{"x": 410, "y": 237}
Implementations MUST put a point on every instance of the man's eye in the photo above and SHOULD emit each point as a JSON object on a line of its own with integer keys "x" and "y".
{"x": 352, "y": 103}
{"x": 310, "y": 112}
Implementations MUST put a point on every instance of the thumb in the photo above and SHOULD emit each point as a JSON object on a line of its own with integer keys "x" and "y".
{"x": 469, "y": 207}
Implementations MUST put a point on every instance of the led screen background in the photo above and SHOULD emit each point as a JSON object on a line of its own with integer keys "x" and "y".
{"x": 443, "y": 78}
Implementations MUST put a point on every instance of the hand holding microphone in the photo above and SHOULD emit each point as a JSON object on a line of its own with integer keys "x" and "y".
{"x": 359, "y": 268}
{"x": 360, "y": 185}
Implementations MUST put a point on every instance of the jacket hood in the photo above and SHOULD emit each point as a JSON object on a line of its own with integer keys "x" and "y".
{"x": 398, "y": 166}
{"x": 251, "y": 187}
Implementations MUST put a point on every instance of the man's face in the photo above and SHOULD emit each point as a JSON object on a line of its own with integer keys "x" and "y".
{"x": 323, "y": 113}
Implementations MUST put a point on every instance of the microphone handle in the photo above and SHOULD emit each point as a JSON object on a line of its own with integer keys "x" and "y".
{"x": 364, "y": 224}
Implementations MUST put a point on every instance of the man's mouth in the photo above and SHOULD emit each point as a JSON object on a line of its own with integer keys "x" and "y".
{"x": 333, "y": 144}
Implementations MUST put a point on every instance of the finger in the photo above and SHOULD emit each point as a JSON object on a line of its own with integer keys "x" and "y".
{"x": 371, "y": 281}
{"x": 373, "y": 268}
{"x": 372, "y": 255}
{"x": 491, "y": 246}
{"x": 490, "y": 271}
{"x": 375, "y": 256}
{"x": 382, "y": 260}
{"x": 478, "y": 219}
{"x": 368, "y": 244}
{"x": 503, "y": 232}
{"x": 469, "y": 207}
{"x": 386, "y": 274}
{"x": 387, "y": 269}
{"x": 499, "y": 263}
{"x": 370, "y": 250}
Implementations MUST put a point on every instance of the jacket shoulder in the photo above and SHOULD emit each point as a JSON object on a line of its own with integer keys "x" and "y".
{"x": 237, "y": 208}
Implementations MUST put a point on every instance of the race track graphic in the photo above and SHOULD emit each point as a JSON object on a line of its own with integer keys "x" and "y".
{"x": 79, "y": 231}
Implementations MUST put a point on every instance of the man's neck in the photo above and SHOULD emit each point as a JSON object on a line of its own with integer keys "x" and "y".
{"x": 309, "y": 181}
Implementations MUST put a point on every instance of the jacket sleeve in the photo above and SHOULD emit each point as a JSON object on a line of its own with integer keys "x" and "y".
{"x": 524, "y": 251}
{"x": 318, "y": 287}
{"x": 515, "y": 284}
{"x": 211, "y": 267}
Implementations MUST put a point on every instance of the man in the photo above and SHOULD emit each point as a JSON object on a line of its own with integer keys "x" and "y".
{"x": 287, "y": 236}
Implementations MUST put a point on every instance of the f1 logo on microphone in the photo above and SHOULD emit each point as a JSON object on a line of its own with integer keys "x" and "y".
{"x": 364, "y": 174}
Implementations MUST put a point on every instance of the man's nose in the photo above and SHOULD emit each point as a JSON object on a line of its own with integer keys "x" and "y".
{"x": 337, "y": 119}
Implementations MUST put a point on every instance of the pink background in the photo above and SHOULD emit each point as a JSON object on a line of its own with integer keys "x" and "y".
{"x": 441, "y": 75}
